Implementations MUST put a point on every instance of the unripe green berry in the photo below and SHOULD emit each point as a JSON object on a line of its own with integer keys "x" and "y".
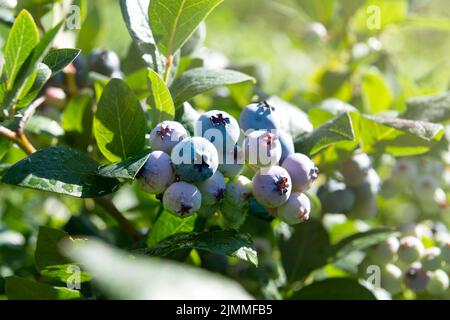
{"x": 391, "y": 279}
{"x": 411, "y": 249}
{"x": 438, "y": 283}
{"x": 432, "y": 259}
{"x": 445, "y": 250}
{"x": 385, "y": 251}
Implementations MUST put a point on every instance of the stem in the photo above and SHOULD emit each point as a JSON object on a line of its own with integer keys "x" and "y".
{"x": 168, "y": 67}
{"x": 110, "y": 208}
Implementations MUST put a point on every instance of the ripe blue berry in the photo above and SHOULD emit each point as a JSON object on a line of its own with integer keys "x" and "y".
{"x": 336, "y": 197}
{"x": 220, "y": 128}
{"x": 411, "y": 249}
{"x": 182, "y": 199}
{"x": 272, "y": 186}
{"x": 104, "y": 62}
{"x": 195, "y": 159}
{"x": 416, "y": 277}
{"x": 302, "y": 171}
{"x": 157, "y": 173}
{"x": 212, "y": 189}
{"x": 287, "y": 144}
{"x": 262, "y": 148}
{"x": 296, "y": 209}
{"x": 259, "y": 116}
{"x": 438, "y": 283}
{"x": 356, "y": 169}
{"x": 166, "y": 135}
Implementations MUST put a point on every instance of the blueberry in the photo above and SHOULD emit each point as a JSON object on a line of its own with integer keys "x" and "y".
{"x": 438, "y": 283}
{"x": 356, "y": 169}
{"x": 57, "y": 81}
{"x": 262, "y": 149}
{"x": 234, "y": 163}
{"x": 287, "y": 144}
{"x": 315, "y": 33}
{"x": 212, "y": 189}
{"x": 157, "y": 173}
{"x": 416, "y": 277}
{"x": 272, "y": 186}
{"x": 411, "y": 249}
{"x": 220, "y": 128}
{"x": 384, "y": 252}
{"x": 105, "y": 62}
{"x": 445, "y": 249}
{"x": 336, "y": 197}
{"x": 195, "y": 159}
{"x": 404, "y": 172}
{"x": 302, "y": 171}
{"x": 234, "y": 206}
{"x": 182, "y": 199}
{"x": 365, "y": 206}
{"x": 259, "y": 116}
{"x": 391, "y": 278}
{"x": 432, "y": 259}
{"x": 296, "y": 209}
{"x": 166, "y": 135}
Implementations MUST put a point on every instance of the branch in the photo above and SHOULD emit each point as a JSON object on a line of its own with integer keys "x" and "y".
{"x": 109, "y": 207}
{"x": 29, "y": 111}
{"x": 168, "y": 67}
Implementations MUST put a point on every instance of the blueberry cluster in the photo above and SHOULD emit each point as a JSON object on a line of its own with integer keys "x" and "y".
{"x": 418, "y": 260}
{"x": 354, "y": 193}
{"x": 228, "y": 164}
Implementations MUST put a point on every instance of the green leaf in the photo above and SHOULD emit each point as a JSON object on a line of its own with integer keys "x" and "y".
{"x": 334, "y": 289}
{"x": 199, "y": 80}
{"x": 433, "y": 108}
{"x": 61, "y": 170}
{"x": 4, "y": 168}
{"x": 42, "y": 76}
{"x": 24, "y": 289}
{"x": 399, "y": 137}
{"x": 150, "y": 278}
{"x": 174, "y": 21}
{"x": 160, "y": 101}
{"x": 168, "y": 225}
{"x": 119, "y": 123}
{"x": 58, "y": 59}
{"x": 307, "y": 249}
{"x": 360, "y": 241}
{"x": 22, "y": 39}
{"x": 376, "y": 94}
{"x": 322, "y": 11}
{"x": 135, "y": 14}
{"x": 127, "y": 169}
{"x": 334, "y": 131}
{"x": 230, "y": 243}
{"x": 42, "y": 125}
{"x": 49, "y": 262}
{"x": 77, "y": 119}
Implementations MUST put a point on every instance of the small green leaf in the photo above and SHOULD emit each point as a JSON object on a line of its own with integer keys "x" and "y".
{"x": 174, "y": 21}
{"x": 230, "y": 243}
{"x": 433, "y": 108}
{"x": 334, "y": 289}
{"x": 200, "y": 80}
{"x": 61, "y": 170}
{"x": 58, "y": 59}
{"x": 168, "y": 225}
{"x": 334, "y": 131}
{"x": 22, "y": 39}
{"x": 360, "y": 241}
{"x": 376, "y": 94}
{"x": 119, "y": 123}
{"x": 160, "y": 101}
{"x": 43, "y": 125}
{"x": 306, "y": 250}
{"x": 43, "y": 74}
{"x": 144, "y": 278}
{"x": 127, "y": 169}
{"x": 24, "y": 289}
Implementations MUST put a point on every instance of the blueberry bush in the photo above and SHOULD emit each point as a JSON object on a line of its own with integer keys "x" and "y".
{"x": 210, "y": 149}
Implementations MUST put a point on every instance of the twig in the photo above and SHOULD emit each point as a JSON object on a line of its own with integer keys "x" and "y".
{"x": 168, "y": 67}
{"x": 21, "y": 140}
{"x": 109, "y": 207}
{"x": 29, "y": 111}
